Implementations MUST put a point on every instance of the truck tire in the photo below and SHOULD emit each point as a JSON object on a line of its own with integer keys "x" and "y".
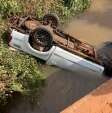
{"x": 51, "y": 19}
{"x": 104, "y": 55}
{"x": 41, "y": 37}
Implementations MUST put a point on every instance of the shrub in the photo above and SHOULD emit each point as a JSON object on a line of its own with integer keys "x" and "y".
{"x": 18, "y": 72}
{"x": 63, "y": 8}
{"x": 9, "y": 6}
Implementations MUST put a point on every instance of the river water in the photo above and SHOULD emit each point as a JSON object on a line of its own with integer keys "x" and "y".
{"x": 63, "y": 87}
{"x": 94, "y": 26}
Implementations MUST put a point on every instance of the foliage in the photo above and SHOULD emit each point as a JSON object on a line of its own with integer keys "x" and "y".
{"x": 79, "y": 5}
{"x": 9, "y": 6}
{"x": 66, "y": 9}
{"x": 18, "y": 72}
{"x": 63, "y": 8}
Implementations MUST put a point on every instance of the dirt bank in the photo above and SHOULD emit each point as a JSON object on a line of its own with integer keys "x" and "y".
{"x": 101, "y": 98}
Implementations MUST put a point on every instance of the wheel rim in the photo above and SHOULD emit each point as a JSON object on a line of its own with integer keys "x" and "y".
{"x": 42, "y": 37}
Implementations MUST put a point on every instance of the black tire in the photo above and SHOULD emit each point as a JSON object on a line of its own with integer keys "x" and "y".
{"x": 51, "y": 19}
{"x": 41, "y": 37}
{"x": 104, "y": 55}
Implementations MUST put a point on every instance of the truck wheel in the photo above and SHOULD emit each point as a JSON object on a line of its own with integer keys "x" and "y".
{"x": 51, "y": 19}
{"x": 104, "y": 55}
{"x": 41, "y": 38}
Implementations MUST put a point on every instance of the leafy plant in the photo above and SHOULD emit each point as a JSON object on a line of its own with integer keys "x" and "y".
{"x": 9, "y": 6}
{"x": 18, "y": 72}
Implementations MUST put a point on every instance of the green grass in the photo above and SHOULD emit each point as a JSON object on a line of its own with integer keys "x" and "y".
{"x": 19, "y": 72}
{"x": 65, "y": 9}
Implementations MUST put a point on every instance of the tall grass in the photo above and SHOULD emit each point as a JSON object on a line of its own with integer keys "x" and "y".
{"x": 63, "y": 8}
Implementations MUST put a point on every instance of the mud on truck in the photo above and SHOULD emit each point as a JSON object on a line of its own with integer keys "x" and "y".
{"x": 45, "y": 40}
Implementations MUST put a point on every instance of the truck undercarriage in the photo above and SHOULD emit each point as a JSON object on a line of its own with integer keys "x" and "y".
{"x": 44, "y": 34}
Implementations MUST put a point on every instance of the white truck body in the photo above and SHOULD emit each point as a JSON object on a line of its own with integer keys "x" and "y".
{"x": 55, "y": 56}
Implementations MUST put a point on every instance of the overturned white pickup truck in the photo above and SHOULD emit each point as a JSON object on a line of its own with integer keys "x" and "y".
{"x": 44, "y": 40}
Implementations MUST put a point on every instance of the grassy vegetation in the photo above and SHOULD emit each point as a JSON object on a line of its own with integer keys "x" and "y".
{"x": 20, "y": 72}
{"x": 63, "y": 8}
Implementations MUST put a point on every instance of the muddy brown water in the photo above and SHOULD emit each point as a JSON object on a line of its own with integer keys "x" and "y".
{"x": 63, "y": 87}
{"x": 95, "y": 25}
